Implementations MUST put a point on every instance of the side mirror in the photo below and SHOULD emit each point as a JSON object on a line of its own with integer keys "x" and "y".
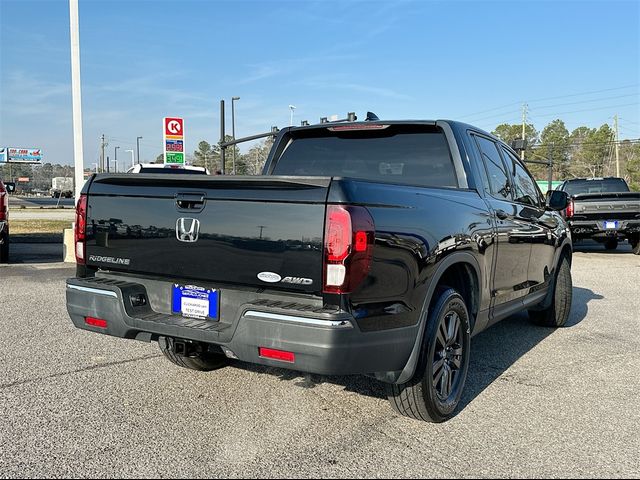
{"x": 557, "y": 200}
{"x": 11, "y": 187}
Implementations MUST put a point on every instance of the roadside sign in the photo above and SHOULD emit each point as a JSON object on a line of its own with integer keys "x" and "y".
{"x": 174, "y": 158}
{"x": 173, "y": 139}
{"x": 23, "y": 155}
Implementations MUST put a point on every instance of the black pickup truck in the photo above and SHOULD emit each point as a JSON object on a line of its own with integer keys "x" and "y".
{"x": 375, "y": 248}
{"x": 603, "y": 209}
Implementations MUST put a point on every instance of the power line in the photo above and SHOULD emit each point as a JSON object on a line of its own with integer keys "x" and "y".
{"x": 549, "y": 98}
{"x": 588, "y": 101}
{"x": 589, "y": 110}
{"x": 585, "y": 93}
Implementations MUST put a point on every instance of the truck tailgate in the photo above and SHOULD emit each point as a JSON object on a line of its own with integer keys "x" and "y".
{"x": 607, "y": 206}
{"x": 212, "y": 229}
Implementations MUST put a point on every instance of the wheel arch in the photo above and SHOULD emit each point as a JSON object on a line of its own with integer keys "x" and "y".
{"x": 454, "y": 267}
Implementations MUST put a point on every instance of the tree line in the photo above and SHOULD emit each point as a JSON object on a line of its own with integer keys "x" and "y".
{"x": 583, "y": 152}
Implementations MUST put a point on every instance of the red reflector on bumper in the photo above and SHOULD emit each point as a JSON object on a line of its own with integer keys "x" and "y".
{"x": 95, "y": 322}
{"x": 277, "y": 355}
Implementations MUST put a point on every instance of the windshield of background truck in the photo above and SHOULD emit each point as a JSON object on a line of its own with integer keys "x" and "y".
{"x": 609, "y": 185}
{"x": 410, "y": 156}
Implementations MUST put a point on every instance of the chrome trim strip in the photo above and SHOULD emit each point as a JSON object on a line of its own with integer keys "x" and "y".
{"x": 304, "y": 320}
{"x": 97, "y": 291}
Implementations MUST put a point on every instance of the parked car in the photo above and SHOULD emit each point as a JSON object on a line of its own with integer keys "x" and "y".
{"x": 603, "y": 209}
{"x": 5, "y": 189}
{"x": 160, "y": 168}
{"x": 417, "y": 235}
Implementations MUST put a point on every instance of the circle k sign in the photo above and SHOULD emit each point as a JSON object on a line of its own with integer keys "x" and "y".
{"x": 173, "y": 126}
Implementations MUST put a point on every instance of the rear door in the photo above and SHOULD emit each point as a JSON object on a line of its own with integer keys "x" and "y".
{"x": 541, "y": 225}
{"x": 511, "y": 264}
{"x": 247, "y": 231}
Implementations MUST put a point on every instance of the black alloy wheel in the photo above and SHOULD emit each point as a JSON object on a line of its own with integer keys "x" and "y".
{"x": 447, "y": 361}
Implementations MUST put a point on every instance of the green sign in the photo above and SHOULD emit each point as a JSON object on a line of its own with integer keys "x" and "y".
{"x": 174, "y": 157}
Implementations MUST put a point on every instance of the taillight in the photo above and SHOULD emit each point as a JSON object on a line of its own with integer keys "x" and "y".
{"x": 570, "y": 209}
{"x": 3, "y": 206}
{"x": 81, "y": 225}
{"x": 348, "y": 247}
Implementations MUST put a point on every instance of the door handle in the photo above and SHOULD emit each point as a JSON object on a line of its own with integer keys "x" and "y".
{"x": 190, "y": 201}
{"x": 501, "y": 214}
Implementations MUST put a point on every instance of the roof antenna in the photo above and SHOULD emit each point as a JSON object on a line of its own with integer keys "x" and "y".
{"x": 371, "y": 117}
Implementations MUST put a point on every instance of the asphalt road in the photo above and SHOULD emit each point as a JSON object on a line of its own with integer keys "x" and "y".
{"x": 538, "y": 402}
{"x": 17, "y": 201}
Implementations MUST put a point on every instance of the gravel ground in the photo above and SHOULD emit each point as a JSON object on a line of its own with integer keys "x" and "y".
{"x": 538, "y": 402}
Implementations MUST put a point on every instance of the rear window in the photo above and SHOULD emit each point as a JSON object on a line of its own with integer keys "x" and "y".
{"x": 411, "y": 155}
{"x": 173, "y": 171}
{"x": 608, "y": 185}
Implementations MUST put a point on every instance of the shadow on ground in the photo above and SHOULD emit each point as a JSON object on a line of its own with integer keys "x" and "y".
{"x": 37, "y": 250}
{"x": 591, "y": 246}
{"x": 493, "y": 352}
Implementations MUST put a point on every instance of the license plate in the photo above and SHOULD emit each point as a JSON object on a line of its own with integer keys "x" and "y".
{"x": 610, "y": 225}
{"x": 195, "y": 302}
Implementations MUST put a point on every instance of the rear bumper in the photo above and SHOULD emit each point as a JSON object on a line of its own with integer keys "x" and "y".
{"x": 324, "y": 342}
{"x": 597, "y": 228}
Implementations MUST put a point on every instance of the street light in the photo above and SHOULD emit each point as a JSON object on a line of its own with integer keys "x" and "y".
{"x": 233, "y": 130}
{"x": 115, "y": 157}
{"x": 133, "y": 160}
{"x": 292, "y": 108}
{"x": 138, "y": 147}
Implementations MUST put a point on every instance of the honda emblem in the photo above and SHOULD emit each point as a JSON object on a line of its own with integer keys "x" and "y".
{"x": 187, "y": 229}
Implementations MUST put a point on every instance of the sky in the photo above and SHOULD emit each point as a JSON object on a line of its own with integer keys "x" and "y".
{"x": 463, "y": 60}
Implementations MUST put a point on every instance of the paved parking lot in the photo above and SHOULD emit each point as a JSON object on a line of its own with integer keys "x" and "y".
{"x": 538, "y": 402}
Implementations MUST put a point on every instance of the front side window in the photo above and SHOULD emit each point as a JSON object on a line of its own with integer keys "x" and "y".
{"x": 525, "y": 189}
{"x": 496, "y": 171}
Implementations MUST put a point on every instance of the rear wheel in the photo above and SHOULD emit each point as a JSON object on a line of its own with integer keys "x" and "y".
{"x": 436, "y": 388}
{"x": 557, "y": 313}
{"x": 203, "y": 361}
{"x": 611, "y": 244}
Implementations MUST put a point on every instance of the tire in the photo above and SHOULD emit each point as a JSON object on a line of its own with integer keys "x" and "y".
{"x": 557, "y": 313}
{"x": 203, "y": 362}
{"x": 4, "y": 250}
{"x": 611, "y": 244}
{"x": 445, "y": 355}
{"x": 635, "y": 244}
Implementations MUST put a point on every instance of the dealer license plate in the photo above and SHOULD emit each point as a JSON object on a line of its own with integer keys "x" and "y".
{"x": 610, "y": 225}
{"x": 195, "y": 302}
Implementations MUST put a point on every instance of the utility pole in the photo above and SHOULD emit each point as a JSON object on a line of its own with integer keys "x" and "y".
{"x": 617, "y": 147}
{"x": 102, "y": 145}
{"x": 222, "y": 135}
{"x": 138, "y": 148}
{"x": 107, "y": 163}
{"x": 76, "y": 97}
{"x": 524, "y": 122}
{"x": 233, "y": 130}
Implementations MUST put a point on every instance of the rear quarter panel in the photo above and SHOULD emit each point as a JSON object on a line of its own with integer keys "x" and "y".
{"x": 416, "y": 228}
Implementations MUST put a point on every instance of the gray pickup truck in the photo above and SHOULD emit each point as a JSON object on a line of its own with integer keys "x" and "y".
{"x": 604, "y": 210}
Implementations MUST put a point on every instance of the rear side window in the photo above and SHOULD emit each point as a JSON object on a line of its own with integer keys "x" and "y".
{"x": 496, "y": 171}
{"x": 418, "y": 157}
